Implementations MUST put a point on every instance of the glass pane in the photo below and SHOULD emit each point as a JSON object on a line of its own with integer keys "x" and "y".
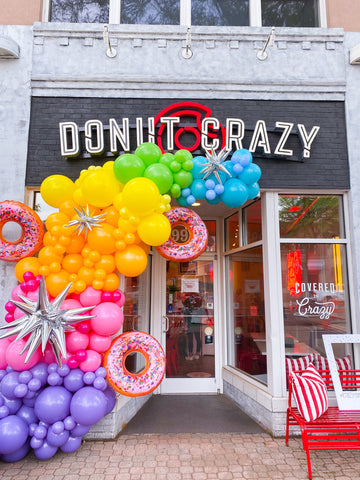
{"x": 315, "y": 296}
{"x": 220, "y": 13}
{"x": 41, "y": 207}
{"x": 211, "y": 228}
{"x": 190, "y": 339}
{"x": 137, "y": 301}
{"x": 311, "y": 216}
{"x": 252, "y": 219}
{"x": 289, "y": 13}
{"x": 247, "y": 314}
{"x": 155, "y": 12}
{"x": 232, "y": 232}
{"x": 80, "y": 11}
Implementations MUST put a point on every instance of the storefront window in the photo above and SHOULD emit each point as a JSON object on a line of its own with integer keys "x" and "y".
{"x": 155, "y": 12}
{"x": 252, "y": 223}
{"x": 211, "y": 228}
{"x": 246, "y": 302}
{"x": 221, "y": 13}
{"x": 311, "y": 216}
{"x": 79, "y": 11}
{"x": 289, "y": 13}
{"x": 232, "y": 232}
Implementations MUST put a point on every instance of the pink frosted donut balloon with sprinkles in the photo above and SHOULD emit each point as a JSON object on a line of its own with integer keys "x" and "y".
{"x": 189, "y": 236}
{"x": 32, "y": 231}
{"x": 135, "y": 384}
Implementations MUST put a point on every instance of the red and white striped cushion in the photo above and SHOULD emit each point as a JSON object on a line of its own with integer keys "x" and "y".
{"x": 310, "y": 393}
{"x": 299, "y": 363}
{"x": 322, "y": 363}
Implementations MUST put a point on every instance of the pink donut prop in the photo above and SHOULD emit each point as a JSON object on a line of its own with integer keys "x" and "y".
{"x": 135, "y": 384}
{"x": 189, "y": 236}
{"x": 32, "y": 231}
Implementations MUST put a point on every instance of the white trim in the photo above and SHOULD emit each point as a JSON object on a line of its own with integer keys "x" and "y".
{"x": 255, "y": 19}
{"x": 322, "y": 13}
{"x": 114, "y": 11}
{"x": 185, "y": 13}
{"x": 46, "y": 11}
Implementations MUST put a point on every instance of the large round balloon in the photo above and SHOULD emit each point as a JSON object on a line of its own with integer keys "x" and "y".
{"x": 127, "y": 167}
{"x": 56, "y": 189}
{"x": 141, "y": 196}
{"x": 132, "y": 261}
{"x": 88, "y": 406}
{"x": 53, "y": 404}
{"x": 13, "y": 434}
{"x": 161, "y": 175}
{"x": 100, "y": 187}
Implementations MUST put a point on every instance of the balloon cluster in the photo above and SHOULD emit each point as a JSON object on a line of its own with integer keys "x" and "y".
{"x": 48, "y": 408}
{"x": 88, "y": 341}
{"x": 232, "y": 182}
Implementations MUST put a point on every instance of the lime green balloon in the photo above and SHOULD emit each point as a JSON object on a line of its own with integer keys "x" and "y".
{"x": 149, "y": 153}
{"x": 128, "y": 166}
{"x": 183, "y": 155}
{"x": 175, "y": 190}
{"x": 166, "y": 159}
{"x": 183, "y": 178}
{"x": 175, "y": 166}
{"x": 161, "y": 175}
{"x": 188, "y": 165}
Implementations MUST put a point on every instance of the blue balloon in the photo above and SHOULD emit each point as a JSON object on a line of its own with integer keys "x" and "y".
{"x": 190, "y": 199}
{"x": 72, "y": 444}
{"x": 209, "y": 184}
{"x": 242, "y": 156}
{"x": 13, "y": 434}
{"x": 199, "y": 163}
{"x": 88, "y": 406}
{"x": 210, "y": 195}
{"x": 253, "y": 190}
{"x": 235, "y": 193}
{"x": 198, "y": 189}
{"x": 219, "y": 189}
{"x": 53, "y": 404}
{"x": 238, "y": 168}
{"x": 250, "y": 174}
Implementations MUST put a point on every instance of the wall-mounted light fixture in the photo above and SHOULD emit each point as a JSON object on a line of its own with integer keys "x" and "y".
{"x": 270, "y": 42}
{"x": 355, "y": 55}
{"x": 8, "y": 48}
{"x": 110, "y": 52}
{"x": 186, "y": 51}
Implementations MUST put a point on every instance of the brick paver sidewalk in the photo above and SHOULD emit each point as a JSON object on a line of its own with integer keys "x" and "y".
{"x": 187, "y": 456}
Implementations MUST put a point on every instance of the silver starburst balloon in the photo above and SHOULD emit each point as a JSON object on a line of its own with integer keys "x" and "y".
{"x": 45, "y": 322}
{"x": 214, "y": 164}
{"x": 86, "y": 221}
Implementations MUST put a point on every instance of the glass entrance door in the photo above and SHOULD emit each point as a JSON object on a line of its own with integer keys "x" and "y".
{"x": 189, "y": 328}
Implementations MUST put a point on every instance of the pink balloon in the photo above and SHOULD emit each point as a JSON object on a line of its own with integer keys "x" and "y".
{"x": 83, "y": 327}
{"x": 92, "y": 362}
{"x": 18, "y": 313}
{"x": 99, "y": 343}
{"x": 90, "y": 297}
{"x": 17, "y": 290}
{"x": 119, "y": 298}
{"x": 70, "y": 303}
{"x": 76, "y": 341}
{"x": 72, "y": 362}
{"x": 4, "y": 343}
{"x": 17, "y": 361}
{"x": 48, "y": 356}
{"x": 33, "y": 295}
{"x": 108, "y": 318}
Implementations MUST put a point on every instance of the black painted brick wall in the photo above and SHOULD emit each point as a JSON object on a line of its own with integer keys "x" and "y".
{"x": 327, "y": 167}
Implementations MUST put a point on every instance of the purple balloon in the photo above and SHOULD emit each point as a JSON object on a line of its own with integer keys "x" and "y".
{"x": 34, "y": 384}
{"x": 52, "y": 367}
{"x": 25, "y": 376}
{"x": 58, "y": 427}
{"x": 88, "y": 406}
{"x": 40, "y": 372}
{"x": 74, "y": 381}
{"x": 36, "y": 442}
{"x": 89, "y": 377}
{"x": 2, "y": 374}
{"x": 13, "y": 405}
{"x": 72, "y": 444}
{"x": 27, "y": 414}
{"x": 69, "y": 423}
{"x": 100, "y": 383}
{"x": 110, "y": 399}
{"x": 53, "y": 404}
{"x": 8, "y": 385}
{"x": 80, "y": 430}
{"x": 57, "y": 440}
{"x": 29, "y": 402}
{"x": 4, "y": 411}
{"x": 13, "y": 434}
{"x": 64, "y": 370}
{"x": 46, "y": 451}
{"x": 40, "y": 432}
{"x": 19, "y": 454}
{"x": 54, "y": 379}
{"x": 101, "y": 372}
{"x": 21, "y": 390}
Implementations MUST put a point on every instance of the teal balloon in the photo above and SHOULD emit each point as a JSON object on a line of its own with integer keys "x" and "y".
{"x": 199, "y": 163}
{"x": 216, "y": 200}
{"x": 161, "y": 175}
{"x": 149, "y": 153}
{"x": 235, "y": 193}
{"x": 250, "y": 174}
{"x": 128, "y": 166}
{"x": 253, "y": 190}
{"x": 230, "y": 168}
{"x": 198, "y": 189}
{"x": 182, "y": 202}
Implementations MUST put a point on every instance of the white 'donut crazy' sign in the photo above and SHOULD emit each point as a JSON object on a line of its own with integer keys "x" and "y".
{"x": 347, "y": 400}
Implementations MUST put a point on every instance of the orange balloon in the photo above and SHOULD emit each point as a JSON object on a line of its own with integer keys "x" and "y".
{"x": 67, "y": 207}
{"x": 132, "y": 261}
{"x": 101, "y": 239}
{"x": 111, "y": 283}
{"x": 145, "y": 247}
{"x": 72, "y": 262}
{"x": 48, "y": 255}
{"x": 27, "y": 264}
{"x": 49, "y": 239}
{"x": 76, "y": 245}
{"x": 107, "y": 263}
{"x": 86, "y": 274}
{"x": 97, "y": 284}
{"x": 57, "y": 282}
{"x": 56, "y": 218}
{"x": 80, "y": 286}
{"x": 112, "y": 215}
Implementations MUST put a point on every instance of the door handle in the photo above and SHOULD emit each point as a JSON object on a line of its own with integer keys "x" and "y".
{"x": 167, "y": 323}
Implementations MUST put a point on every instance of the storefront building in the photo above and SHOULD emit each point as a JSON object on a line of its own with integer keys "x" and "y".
{"x": 278, "y": 272}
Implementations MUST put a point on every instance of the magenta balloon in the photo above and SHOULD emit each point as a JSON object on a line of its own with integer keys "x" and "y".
{"x": 8, "y": 385}
{"x": 45, "y": 452}
{"x": 72, "y": 444}
{"x": 74, "y": 381}
{"x": 108, "y": 318}
{"x": 76, "y": 341}
{"x": 53, "y": 404}
{"x": 88, "y": 406}
{"x": 13, "y": 434}
{"x": 19, "y": 454}
{"x": 27, "y": 414}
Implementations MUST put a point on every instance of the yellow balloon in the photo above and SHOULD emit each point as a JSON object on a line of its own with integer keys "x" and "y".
{"x": 100, "y": 187}
{"x": 141, "y": 196}
{"x": 56, "y": 189}
{"x": 154, "y": 229}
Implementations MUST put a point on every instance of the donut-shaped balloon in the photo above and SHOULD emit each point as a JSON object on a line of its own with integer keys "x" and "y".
{"x": 189, "y": 236}
{"x": 32, "y": 231}
{"x": 135, "y": 384}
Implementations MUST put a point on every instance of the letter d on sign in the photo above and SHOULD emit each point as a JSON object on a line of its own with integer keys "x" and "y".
{"x": 69, "y": 139}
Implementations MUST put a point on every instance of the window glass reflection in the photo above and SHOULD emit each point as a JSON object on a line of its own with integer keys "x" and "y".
{"x": 289, "y": 13}
{"x": 232, "y": 232}
{"x": 252, "y": 218}
{"x": 155, "y": 12}
{"x": 220, "y": 13}
{"x": 211, "y": 228}
{"x": 80, "y": 11}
